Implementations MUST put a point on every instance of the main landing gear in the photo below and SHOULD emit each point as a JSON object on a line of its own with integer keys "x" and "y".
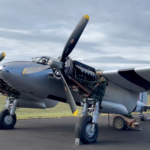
{"x": 143, "y": 117}
{"x": 7, "y": 116}
{"x": 86, "y": 129}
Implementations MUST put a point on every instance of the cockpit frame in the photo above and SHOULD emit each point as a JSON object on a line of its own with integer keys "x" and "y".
{"x": 41, "y": 60}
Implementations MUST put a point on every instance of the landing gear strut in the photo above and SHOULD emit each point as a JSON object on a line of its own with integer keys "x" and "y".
{"x": 143, "y": 117}
{"x": 86, "y": 129}
{"x": 7, "y": 116}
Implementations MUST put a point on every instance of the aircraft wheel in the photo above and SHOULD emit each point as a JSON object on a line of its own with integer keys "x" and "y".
{"x": 142, "y": 119}
{"x": 83, "y": 130}
{"x": 119, "y": 123}
{"x": 6, "y": 121}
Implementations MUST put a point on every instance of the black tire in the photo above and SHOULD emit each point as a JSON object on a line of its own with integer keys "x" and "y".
{"x": 119, "y": 123}
{"x": 142, "y": 119}
{"x": 80, "y": 130}
{"x": 3, "y": 125}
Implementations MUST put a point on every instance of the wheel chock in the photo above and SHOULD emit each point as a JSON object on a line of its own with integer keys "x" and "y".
{"x": 78, "y": 142}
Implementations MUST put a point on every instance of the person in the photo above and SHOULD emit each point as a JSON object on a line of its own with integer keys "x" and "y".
{"x": 43, "y": 61}
{"x": 99, "y": 88}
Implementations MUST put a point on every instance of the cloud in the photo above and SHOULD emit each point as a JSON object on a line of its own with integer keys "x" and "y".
{"x": 117, "y": 34}
{"x": 115, "y": 59}
{"x": 116, "y": 62}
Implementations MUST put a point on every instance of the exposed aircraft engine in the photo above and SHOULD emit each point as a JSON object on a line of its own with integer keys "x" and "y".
{"x": 84, "y": 72}
{"x": 78, "y": 75}
{"x": 82, "y": 75}
{"x": 77, "y": 70}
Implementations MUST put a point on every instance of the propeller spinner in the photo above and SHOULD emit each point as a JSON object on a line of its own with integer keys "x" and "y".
{"x": 71, "y": 43}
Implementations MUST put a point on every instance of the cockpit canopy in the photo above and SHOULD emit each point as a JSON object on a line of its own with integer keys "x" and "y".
{"x": 42, "y": 60}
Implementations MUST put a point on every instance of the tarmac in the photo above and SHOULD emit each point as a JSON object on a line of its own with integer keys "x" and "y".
{"x": 58, "y": 134}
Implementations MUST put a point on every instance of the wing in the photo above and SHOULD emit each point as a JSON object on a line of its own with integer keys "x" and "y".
{"x": 135, "y": 79}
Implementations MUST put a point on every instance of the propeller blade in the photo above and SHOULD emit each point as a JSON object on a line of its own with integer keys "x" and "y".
{"x": 2, "y": 56}
{"x": 36, "y": 69}
{"x": 73, "y": 39}
{"x": 69, "y": 96}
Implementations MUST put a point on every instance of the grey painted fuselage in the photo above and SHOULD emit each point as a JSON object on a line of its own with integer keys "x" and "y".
{"x": 39, "y": 90}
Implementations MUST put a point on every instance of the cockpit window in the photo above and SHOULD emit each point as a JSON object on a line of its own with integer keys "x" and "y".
{"x": 42, "y": 60}
{"x": 35, "y": 59}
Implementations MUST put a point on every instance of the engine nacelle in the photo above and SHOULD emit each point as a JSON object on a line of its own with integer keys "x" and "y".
{"x": 84, "y": 72}
{"x": 79, "y": 70}
{"x": 75, "y": 69}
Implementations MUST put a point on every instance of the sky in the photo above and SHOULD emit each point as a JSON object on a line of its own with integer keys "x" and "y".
{"x": 117, "y": 35}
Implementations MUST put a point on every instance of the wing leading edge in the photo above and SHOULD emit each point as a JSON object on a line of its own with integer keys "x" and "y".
{"x": 135, "y": 79}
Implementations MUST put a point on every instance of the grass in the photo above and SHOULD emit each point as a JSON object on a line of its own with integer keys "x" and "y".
{"x": 61, "y": 110}
{"x": 148, "y": 99}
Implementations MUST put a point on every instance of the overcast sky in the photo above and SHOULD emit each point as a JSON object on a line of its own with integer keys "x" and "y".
{"x": 116, "y": 36}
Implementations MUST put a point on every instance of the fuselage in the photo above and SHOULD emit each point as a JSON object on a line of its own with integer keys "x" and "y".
{"x": 38, "y": 85}
{"x": 43, "y": 85}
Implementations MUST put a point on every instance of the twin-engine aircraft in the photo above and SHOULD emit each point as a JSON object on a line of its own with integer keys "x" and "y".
{"x": 45, "y": 81}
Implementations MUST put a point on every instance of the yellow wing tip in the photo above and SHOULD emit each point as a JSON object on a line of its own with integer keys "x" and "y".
{"x": 87, "y": 17}
{"x": 24, "y": 71}
{"x": 4, "y": 54}
{"x": 75, "y": 113}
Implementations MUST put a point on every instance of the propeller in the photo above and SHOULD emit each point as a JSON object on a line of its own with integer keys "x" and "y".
{"x": 73, "y": 39}
{"x": 69, "y": 95}
{"x": 59, "y": 64}
{"x": 2, "y": 56}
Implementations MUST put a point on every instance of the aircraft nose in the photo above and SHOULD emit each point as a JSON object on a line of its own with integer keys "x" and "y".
{"x": 4, "y": 73}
